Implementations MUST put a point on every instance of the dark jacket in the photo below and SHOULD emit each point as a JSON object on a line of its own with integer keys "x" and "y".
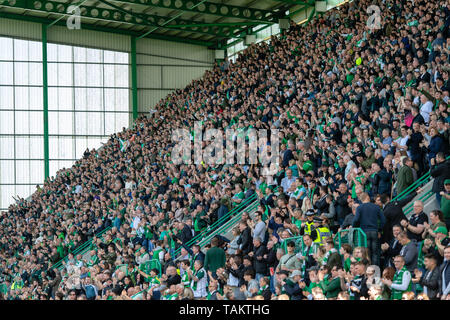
{"x": 214, "y": 259}
{"x": 444, "y": 267}
{"x": 271, "y": 259}
{"x": 404, "y": 178}
{"x": 440, "y": 172}
{"x": 393, "y": 213}
{"x": 436, "y": 145}
{"x": 267, "y": 294}
{"x": 413, "y": 144}
{"x": 342, "y": 208}
{"x": 385, "y": 182}
{"x": 334, "y": 260}
{"x": 430, "y": 279}
{"x": 223, "y": 210}
{"x": 369, "y": 217}
{"x": 294, "y": 291}
{"x": 245, "y": 241}
{"x": 259, "y": 264}
{"x": 361, "y": 284}
{"x": 394, "y": 250}
{"x": 185, "y": 234}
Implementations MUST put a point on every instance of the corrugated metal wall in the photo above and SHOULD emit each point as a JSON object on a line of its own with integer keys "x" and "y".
{"x": 165, "y": 66}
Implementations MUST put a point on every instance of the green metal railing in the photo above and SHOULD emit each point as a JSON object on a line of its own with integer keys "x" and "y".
{"x": 298, "y": 240}
{"x": 348, "y": 236}
{"x": 218, "y": 223}
{"x": 229, "y": 224}
{"x": 424, "y": 197}
{"x": 81, "y": 249}
{"x": 152, "y": 264}
{"x": 145, "y": 267}
{"x": 419, "y": 182}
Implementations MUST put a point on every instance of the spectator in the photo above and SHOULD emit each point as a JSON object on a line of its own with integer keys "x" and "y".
{"x": 404, "y": 176}
{"x": 402, "y": 279}
{"x": 393, "y": 212}
{"x": 444, "y": 271}
{"x": 409, "y": 252}
{"x": 215, "y": 257}
{"x": 415, "y": 226}
{"x": 392, "y": 248}
{"x": 245, "y": 238}
{"x": 358, "y": 285}
{"x": 430, "y": 279}
{"x": 259, "y": 230}
{"x": 332, "y": 257}
{"x": 289, "y": 262}
{"x": 445, "y": 203}
{"x": 332, "y": 284}
{"x": 440, "y": 171}
{"x": 259, "y": 264}
{"x": 371, "y": 220}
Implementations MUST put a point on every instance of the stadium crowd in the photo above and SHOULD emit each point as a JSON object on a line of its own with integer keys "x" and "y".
{"x": 362, "y": 114}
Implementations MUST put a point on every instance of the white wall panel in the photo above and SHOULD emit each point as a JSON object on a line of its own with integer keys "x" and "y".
{"x": 164, "y": 65}
{"x": 179, "y": 77}
{"x": 149, "y": 76}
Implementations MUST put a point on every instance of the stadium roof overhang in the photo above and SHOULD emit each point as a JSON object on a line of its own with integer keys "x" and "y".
{"x": 203, "y": 22}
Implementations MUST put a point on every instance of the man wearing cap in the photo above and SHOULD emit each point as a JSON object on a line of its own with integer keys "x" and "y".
{"x": 309, "y": 224}
{"x": 445, "y": 202}
{"x": 294, "y": 285}
{"x": 289, "y": 262}
{"x": 319, "y": 232}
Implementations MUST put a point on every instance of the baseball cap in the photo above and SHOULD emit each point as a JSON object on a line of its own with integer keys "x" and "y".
{"x": 295, "y": 273}
{"x": 441, "y": 230}
{"x": 310, "y": 212}
{"x": 447, "y": 181}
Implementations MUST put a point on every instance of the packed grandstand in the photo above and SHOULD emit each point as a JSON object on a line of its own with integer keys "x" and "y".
{"x": 359, "y": 209}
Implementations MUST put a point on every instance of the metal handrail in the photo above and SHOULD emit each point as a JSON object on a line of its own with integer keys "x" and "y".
{"x": 217, "y": 224}
{"x": 361, "y": 236}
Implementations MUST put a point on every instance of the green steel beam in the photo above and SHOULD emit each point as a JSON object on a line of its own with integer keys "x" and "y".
{"x": 134, "y": 78}
{"x": 313, "y": 12}
{"x": 118, "y": 14}
{"x": 297, "y": 2}
{"x": 217, "y": 9}
{"x": 239, "y": 40}
{"x": 173, "y": 18}
{"x": 297, "y": 11}
{"x": 88, "y": 26}
{"x": 45, "y": 101}
{"x": 179, "y": 24}
{"x": 223, "y": 24}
